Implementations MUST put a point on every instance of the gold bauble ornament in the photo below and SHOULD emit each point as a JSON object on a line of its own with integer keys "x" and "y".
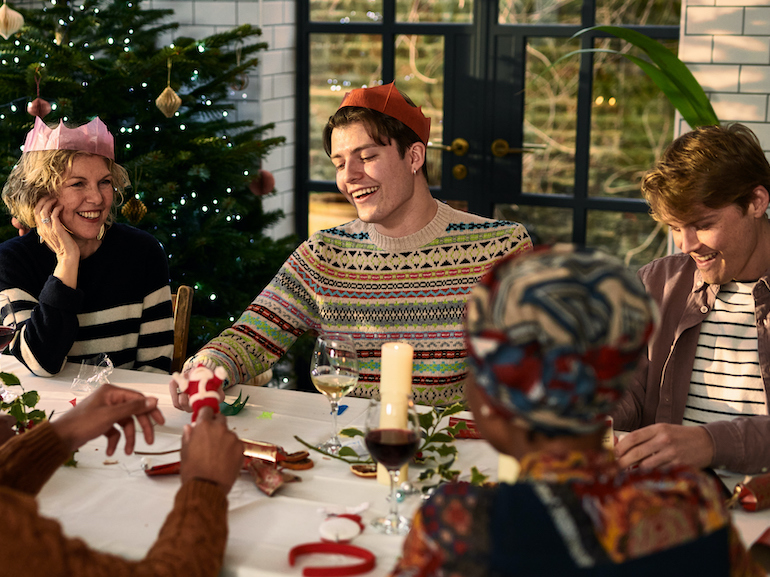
{"x": 134, "y": 210}
{"x": 10, "y": 21}
{"x": 240, "y": 82}
{"x": 168, "y": 102}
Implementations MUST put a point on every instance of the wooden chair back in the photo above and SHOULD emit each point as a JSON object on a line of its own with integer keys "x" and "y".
{"x": 181, "y": 302}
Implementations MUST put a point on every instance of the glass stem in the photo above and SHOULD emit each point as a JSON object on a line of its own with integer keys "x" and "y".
{"x": 334, "y": 418}
{"x": 393, "y": 501}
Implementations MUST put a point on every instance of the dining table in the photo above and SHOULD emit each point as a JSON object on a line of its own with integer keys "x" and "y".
{"x": 113, "y": 505}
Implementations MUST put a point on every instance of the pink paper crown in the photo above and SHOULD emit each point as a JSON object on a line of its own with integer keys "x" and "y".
{"x": 388, "y": 100}
{"x": 92, "y": 137}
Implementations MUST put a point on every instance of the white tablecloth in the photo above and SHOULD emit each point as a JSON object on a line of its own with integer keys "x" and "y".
{"x": 115, "y": 507}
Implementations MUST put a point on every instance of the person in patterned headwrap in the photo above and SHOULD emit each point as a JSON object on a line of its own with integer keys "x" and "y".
{"x": 553, "y": 337}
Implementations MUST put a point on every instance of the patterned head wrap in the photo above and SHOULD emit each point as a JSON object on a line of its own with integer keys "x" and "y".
{"x": 554, "y": 334}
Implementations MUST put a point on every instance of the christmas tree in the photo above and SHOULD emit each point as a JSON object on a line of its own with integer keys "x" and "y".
{"x": 196, "y": 178}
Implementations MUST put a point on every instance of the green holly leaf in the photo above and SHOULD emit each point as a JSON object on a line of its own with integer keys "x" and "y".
{"x": 453, "y": 410}
{"x": 456, "y": 428}
{"x": 36, "y": 416}
{"x": 446, "y": 450}
{"x": 71, "y": 462}
{"x": 347, "y": 452}
{"x": 10, "y": 380}
{"x": 477, "y": 477}
{"x": 351, "y": 432}
{"x": 427, "y": 419}
{"x": 17, "y": 412}
{"x": 426, "y": 474}
{"x": 440, "y": 438}
{"x": 30, "y": 398}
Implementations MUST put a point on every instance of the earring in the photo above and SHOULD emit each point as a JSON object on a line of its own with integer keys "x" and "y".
{"x": 414, "y": 172}
{"x": 100, "y": 236}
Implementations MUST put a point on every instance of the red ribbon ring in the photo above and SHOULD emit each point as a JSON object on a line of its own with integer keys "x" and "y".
{"x": 333, "y": 548}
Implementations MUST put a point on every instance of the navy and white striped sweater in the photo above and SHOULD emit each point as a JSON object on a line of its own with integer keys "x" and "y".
{"x": 121, "y": 307}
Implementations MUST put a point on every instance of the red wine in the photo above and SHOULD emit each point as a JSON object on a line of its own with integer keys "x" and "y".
{"x": 6, "y": 335}
{"x": 391, "y": 447}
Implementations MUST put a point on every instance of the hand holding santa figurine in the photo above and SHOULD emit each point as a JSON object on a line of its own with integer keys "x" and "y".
{"x": 203, "y": 386}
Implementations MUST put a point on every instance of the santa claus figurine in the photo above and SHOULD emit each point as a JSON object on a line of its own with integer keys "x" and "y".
{"x": 203, "y": 386}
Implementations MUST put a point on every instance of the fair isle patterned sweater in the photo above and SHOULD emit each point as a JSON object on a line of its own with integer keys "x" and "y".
{"x": 378, "y": 289}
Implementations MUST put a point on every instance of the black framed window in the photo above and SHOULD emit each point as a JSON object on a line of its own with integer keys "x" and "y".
{"x": 557, "y": 143}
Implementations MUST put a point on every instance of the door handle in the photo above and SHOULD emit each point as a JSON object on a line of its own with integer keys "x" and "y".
{"x": 459, "y": 146}
{"x": 500, "y": 148}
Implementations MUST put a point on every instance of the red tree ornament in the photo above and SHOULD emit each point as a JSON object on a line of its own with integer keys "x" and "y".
{"x": 262, "y": 185}
{"x": 39, "y": 107}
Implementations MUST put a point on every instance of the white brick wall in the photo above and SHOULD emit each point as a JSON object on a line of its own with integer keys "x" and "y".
{"x": 726, "y": 45}
{"x": 271, "y": 93}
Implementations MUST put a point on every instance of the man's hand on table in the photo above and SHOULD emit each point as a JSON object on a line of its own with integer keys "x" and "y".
{"x": 665, "y": 444}
{"x": 106, "y": 407}
{"x": 210, "y": 451}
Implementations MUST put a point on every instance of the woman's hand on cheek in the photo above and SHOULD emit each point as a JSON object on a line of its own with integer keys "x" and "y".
{"x": 56, "y": 237}
{"x": 52, "y": 231}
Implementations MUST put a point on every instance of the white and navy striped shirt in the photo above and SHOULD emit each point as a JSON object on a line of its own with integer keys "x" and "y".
{"x": 121, "y": 307}
{"x": 726, "y": 381}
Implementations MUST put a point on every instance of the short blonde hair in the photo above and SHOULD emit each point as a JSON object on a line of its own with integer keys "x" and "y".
{"x": 41, "y": 173}
{"x": 713, "y": 166}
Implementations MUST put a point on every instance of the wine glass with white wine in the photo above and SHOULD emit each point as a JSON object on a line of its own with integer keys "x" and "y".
{"x": 334, "y": 372}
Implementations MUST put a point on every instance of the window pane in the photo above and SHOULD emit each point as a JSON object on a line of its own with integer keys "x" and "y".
{"x": 420, "y": 75}
{"x": 328, "y": 209}
{"x": 650, "y": 12}
{"x": 545, "y": 224}
{"x": 338, "y": 64}
{"x": 345, "y": 11}
{"x": 434, "y": 10}
{"x": 550, "y": 116}
{"x": 631, "y": 123}
{"x": 539, "y": 11}
{"x": 633, "y": 237}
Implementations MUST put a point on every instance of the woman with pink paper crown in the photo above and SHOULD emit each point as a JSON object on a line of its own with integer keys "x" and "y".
{"x": 81, "y": 284}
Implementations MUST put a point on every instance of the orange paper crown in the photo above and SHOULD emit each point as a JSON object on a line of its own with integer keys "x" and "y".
{"x": 388, "y": 100}
{"x": 92, "y": 137}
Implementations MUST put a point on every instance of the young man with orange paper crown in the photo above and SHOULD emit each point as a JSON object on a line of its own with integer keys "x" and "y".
{"x": 80, "y": 284}
{"x": 400, "y": 272}
{"x": 554, "y": 338}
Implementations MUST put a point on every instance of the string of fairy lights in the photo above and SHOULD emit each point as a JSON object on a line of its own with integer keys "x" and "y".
{"x": 16, "y": 105}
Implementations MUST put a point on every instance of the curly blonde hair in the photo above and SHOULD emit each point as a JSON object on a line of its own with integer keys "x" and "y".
{"x": 41, "y": 173}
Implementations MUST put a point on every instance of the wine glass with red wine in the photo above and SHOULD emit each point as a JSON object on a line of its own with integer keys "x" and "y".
{"x": 7, "y": 320}
{"x": 392, "y": 435}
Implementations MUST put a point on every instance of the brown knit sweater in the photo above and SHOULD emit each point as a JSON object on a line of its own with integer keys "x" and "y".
{"x": 191, "y": 541}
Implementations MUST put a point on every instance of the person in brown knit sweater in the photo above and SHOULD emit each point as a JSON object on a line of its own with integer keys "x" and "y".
{"x": 193, "y": 537}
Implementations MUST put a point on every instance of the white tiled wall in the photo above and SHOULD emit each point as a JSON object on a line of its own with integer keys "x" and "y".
{"x": 270, "y": 94}
{"x": 726, "y": 45}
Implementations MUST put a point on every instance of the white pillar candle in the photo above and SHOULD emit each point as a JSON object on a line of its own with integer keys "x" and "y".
{"x": 396, "y": 369}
